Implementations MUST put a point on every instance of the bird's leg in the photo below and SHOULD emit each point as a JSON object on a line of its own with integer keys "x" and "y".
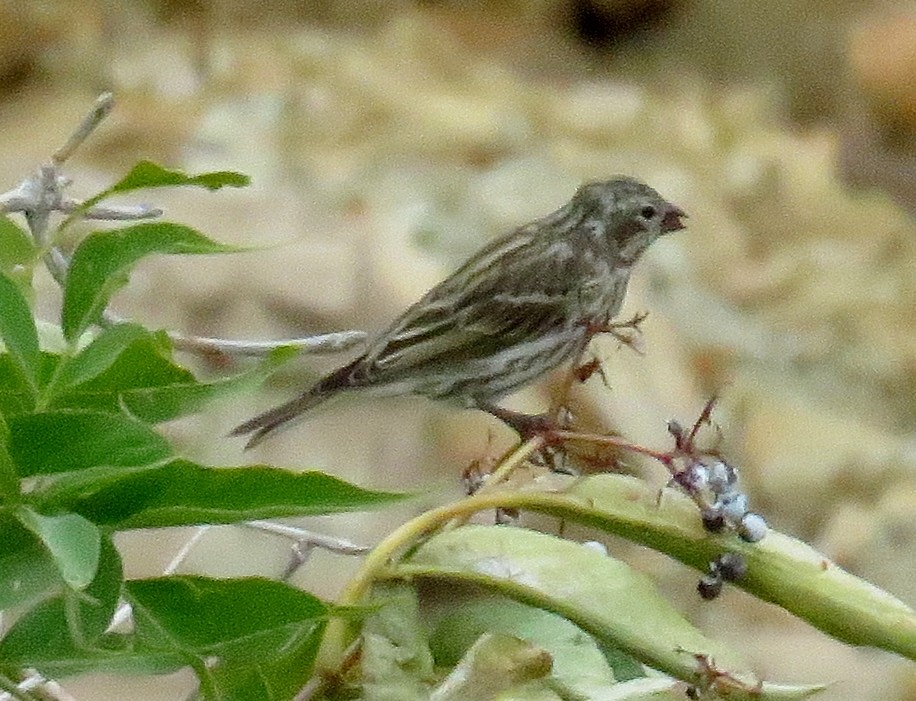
{"x": 525, "y": 425}
{"x": 529, "y": 426}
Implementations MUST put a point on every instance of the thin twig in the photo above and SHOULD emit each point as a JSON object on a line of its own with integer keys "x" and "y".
{"x": 134, "y": 212}
{"x": 308, "y": 691}
{"x": 102, "y": 108}
{"x": 615, "y": 441}
{"x": 304, "y": 542}
{"x": 324, "y": 343}
{"x": 309, "y": 538}
{"x": 318, "y": 683}
{"x": 185, "y": 550}
{"x": 511, "y": 462}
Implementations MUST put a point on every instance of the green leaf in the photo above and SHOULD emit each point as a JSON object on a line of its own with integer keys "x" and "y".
{"x": 9, "y": 480}
{"x": 238, "y": 620}
{"x": 579, "y": 666}
{"x": 781, "y": 569}
{"x": 395, "y": 657}
{"x": 66, "y": 441}
{"x": 278, "y": 679}
{"x": 16, "y": 247}
{"x": 103, "y": 260}
{"x": 167, "y": 402}
{"x": 257, "y": 628}
{"x": 495, "y": 664}
{"x": 158, "y": 404}
{"x": 249, "y": 638}
{"x": 126, "y": 367}
{"x": 57, "y": 633}
{"x": 98, "y": 356}
{"x": 73, "y": 543}
{"x": 182, "y": 493}
{"x": 115, "y": 654}
{"x": 18, "y": 333}
{"x": 596, "y": 592}
{"x": 26, "y": 568}
{"x": 147, "y": 174}
{"x": 16, "y": 395}
{"x": 43, "y": 642}
{"x": 144, "y": 363}
{"x": 95, "y": 609}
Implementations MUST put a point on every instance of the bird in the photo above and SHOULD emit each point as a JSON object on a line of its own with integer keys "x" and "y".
{"x": 521, "y": 306}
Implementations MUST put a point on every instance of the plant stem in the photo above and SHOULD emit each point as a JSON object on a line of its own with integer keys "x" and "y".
{"x": 511, "y": 462}
{"x": 599, "y": 439}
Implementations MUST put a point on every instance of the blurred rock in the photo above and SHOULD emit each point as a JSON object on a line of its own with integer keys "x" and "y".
{"x": 25, "y": 32}
{"x": 605, "y": 21}
{"x": 882, "y": 57}
{"x": 879, "y": 134}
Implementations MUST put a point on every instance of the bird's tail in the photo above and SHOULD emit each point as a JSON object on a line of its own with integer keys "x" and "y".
{"x": 265, "y": 424}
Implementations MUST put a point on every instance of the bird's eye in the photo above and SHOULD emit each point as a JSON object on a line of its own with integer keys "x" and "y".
{"x": 647, "y": 212}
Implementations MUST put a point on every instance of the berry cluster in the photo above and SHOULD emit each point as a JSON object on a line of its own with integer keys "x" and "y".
{"x": 712, "y": 483}
{"x": 728, "y": 567}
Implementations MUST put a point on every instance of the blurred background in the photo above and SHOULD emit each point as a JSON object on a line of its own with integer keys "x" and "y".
{"x": 389, "y": 139}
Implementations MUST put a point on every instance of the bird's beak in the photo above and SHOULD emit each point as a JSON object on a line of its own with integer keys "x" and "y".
{"x": 672, "y": 219}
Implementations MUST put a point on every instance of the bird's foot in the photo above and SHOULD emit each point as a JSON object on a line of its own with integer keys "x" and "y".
{"x": 628, "y": 333}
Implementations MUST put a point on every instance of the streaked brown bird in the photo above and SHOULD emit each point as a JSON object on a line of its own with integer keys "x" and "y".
{"x": 521, "y": 306}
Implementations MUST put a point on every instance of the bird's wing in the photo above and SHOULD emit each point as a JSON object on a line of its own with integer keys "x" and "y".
{"x": 503, "y": 296}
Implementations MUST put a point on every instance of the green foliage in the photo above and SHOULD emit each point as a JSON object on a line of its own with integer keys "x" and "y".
{"x": 616, "y": 605}
{"x": 80, "y": 460}
{"x": 17, "y": 247}
{"x": 27, "y": 569}
{"x": 244, "y": 620}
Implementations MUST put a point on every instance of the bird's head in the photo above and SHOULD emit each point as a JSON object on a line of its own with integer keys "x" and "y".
{"x": 626, "y": 214}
